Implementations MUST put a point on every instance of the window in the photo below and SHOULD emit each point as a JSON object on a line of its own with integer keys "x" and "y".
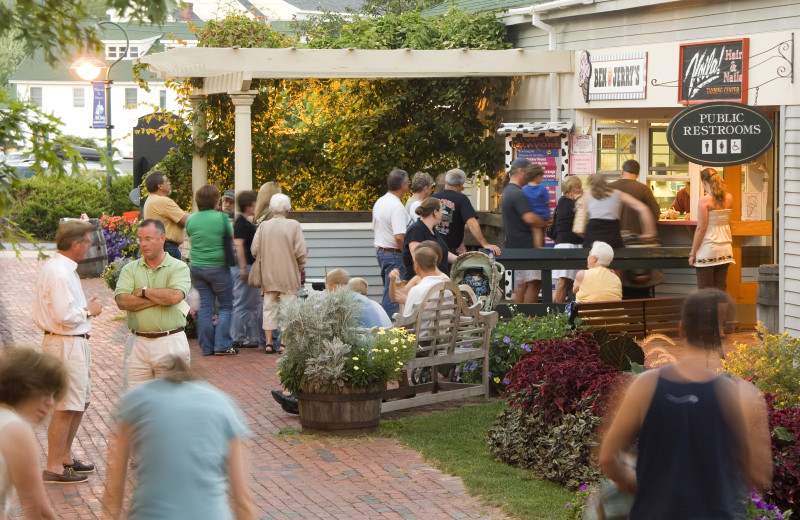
{"x": 115, "y": 51}
{"x": 36, "y": 95}
{"x": 78, "y": 99}
{"x": 162, "y": 98}
{"x": 616, "y": 143}
{"x": 667, "y": 172}
{"x": 130, "y": 97}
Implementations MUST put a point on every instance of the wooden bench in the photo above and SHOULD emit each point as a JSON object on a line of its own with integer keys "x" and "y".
{"x": 639, "y": 318}
{"x": 448, "y": 332}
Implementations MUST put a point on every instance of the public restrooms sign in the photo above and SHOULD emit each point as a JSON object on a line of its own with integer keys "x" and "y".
{"x": 720, "y": 133}
{"x": 714, "y": 71}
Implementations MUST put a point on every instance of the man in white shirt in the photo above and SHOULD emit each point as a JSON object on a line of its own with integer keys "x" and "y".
{"x": 389, "y": 223}
{"x": 61, "y": 311}
{"x": 425, "y": 265}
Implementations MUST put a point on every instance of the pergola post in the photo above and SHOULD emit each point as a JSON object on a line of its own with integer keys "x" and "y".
{"x": 243, "y": 153}
{"x": 199, "y": 161}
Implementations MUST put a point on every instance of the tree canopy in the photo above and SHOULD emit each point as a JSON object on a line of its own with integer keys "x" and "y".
{"x": 330, "y": 143}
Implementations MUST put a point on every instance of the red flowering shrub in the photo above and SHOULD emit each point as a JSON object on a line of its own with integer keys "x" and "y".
{"x": 558, "y": 374}
{"x": 785, "y": 492}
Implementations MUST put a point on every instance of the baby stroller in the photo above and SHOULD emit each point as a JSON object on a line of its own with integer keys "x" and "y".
{"x": 479, "y": 278}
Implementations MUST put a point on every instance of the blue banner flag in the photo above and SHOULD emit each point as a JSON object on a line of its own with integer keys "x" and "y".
{"x": 99, "y": 104}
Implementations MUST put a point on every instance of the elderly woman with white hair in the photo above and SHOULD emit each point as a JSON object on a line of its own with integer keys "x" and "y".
{"x": 598, "y": 283}
{"x": 280, "y": 245}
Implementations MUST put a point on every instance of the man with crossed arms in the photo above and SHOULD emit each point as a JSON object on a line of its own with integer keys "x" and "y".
{"x": 152, "y": 291}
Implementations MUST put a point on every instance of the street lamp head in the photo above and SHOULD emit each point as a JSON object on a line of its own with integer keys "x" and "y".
{"x": 88, "y": 67}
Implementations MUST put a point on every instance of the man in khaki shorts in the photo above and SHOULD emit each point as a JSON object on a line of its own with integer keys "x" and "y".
{"x": 152, "y": 290}
{"x": 61, "y": 311}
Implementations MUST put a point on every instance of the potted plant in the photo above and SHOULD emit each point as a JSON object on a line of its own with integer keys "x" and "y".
{"x": 337, "y": 369}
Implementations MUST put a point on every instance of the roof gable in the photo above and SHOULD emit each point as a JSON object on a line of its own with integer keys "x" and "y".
{"x": 476, "y": 6}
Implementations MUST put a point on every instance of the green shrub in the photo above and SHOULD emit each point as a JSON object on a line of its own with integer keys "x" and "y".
{"x": 559, "y": 451}
{"x": 42, "y": 200}
{"x": 509, "y": 341}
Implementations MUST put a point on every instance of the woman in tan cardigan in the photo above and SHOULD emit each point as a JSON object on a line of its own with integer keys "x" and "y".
{"x": 280, "y": 244}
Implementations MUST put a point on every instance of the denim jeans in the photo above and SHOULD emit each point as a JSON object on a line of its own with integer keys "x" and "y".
{"x": 247, "y": 319}
{"x": 213, "y": 283}
{"x": 389, "y": 261}
{"x": 172, "y": 249}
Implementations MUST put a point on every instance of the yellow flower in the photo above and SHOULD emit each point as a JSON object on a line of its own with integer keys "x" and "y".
{"x": 496, "y": 379}
{"x": 400, "y": 363}
{"x": 393, "y": 342}
{"x": 395, "y": 349}
{"x": 381, "y": 332}
{"x": 355, "y": 359}
{"x": 355, "y": 368}
{"x": 386, "y": 350}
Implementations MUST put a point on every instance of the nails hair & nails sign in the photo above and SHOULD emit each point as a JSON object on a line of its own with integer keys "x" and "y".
{"x": 714, "y": 71}
{"x": 720, "y": 133}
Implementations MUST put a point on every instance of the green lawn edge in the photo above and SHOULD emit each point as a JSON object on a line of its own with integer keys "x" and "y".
{"x": 453, "y": 441}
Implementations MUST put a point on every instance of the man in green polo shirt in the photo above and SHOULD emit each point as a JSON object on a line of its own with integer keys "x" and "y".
{"x": 152, "y": 290}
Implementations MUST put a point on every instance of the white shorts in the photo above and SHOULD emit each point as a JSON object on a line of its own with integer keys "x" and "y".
{"x": 148, "y": 358}
{"x": 270, "y": 311}
{"x": 565, "y": 273}
{"x": 74, "y": 351}
{"x": 525, "y": 276}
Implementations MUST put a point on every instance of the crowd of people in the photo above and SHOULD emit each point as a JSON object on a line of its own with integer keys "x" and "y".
{"x": 415, "y": 244}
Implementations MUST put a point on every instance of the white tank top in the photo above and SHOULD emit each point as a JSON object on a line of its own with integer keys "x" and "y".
{"x": 7, "y": 417}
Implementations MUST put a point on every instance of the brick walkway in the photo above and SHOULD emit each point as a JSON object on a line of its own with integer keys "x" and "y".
{"x": 291, "y": 476}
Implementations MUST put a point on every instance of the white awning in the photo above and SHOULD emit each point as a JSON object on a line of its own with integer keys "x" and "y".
{"x": 553, "y": 127}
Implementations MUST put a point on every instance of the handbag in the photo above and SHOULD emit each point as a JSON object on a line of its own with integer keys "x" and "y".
{"x": 580, "y": 220}
{"x": 227, "y": 246}
{"x": 254, "y": 278}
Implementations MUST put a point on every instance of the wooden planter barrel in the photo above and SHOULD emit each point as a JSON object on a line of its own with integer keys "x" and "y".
{"x": 340, "y": 410}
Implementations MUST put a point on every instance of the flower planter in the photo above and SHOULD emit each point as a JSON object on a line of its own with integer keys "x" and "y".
{"x": 340, "y": 410}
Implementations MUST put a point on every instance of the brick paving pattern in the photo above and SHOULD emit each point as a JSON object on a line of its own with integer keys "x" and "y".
{"x": 292, "y": 476}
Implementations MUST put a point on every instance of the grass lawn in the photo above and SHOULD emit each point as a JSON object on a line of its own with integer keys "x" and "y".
{"x": 453, "y": 441}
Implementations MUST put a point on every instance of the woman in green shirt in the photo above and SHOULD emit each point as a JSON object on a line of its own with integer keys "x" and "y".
{"x": 211, "y": 275}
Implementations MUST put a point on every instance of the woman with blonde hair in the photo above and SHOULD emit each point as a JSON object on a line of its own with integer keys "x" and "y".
{"x": 30, "y": 384}
{"x": 604, "y": 205}
{"x": 265, "y": 193}
{"x": 712, "y": 251}
{"x": 563, "y": 219}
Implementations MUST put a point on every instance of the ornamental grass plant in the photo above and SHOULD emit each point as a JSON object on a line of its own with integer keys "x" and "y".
{"x": 325, "y": 345}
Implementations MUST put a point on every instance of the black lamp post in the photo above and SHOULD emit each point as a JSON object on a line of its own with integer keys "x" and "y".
{"x": 89, "y": 68}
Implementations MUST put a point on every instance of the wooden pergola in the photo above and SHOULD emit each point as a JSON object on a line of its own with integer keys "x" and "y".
{"x": 231, "y": 71}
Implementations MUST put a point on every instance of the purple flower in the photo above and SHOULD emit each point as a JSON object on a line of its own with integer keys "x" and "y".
{"x": 507, "y": 340}
{"x": 506, "y": 381}
{"x": 567, "y": 505}
{"x": 584, "y": 487}
{"x": 526, "y": 347}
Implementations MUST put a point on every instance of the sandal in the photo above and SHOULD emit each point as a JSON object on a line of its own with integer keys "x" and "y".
{"x": 269, "y": 349}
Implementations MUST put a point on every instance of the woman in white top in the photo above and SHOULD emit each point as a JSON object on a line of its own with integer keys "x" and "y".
{"x": 30, "y": 384}
{"x": 712, "y": 249}
{"x": 604, "y": 205}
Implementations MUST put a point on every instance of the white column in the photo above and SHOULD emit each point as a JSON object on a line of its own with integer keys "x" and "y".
{"x": 199, "y": 161}
{"x": 243, "y": 152}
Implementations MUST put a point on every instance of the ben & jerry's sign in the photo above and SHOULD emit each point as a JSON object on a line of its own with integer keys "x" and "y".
{"x": 720, "y": 133}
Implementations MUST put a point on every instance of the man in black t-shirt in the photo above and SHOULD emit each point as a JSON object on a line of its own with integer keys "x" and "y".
{"x": 458, "y": 213}
{"x": 518, "y": 219}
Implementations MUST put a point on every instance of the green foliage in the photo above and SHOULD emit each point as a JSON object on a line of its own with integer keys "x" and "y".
{"x": 453, "y": 440}
{"x": 112, "y": 271}
{"x": 316, "y": 136}
{"x": 510, "y": 340}
{"x": 621, "y": 352}
{"x": 42, "y": 200}
{"x": 324, "y": 346}
{"x": 12, "y": 52}
{"x": 772, "y": 364}
{"x": 559, "y": 451}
